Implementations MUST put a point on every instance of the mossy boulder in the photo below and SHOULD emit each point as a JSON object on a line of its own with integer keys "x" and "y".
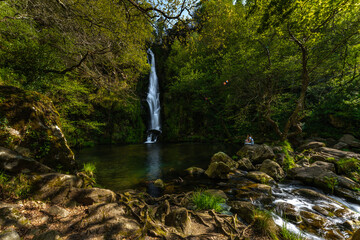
{"x": 218, "y": 170}
{"x": 273, "y": 169}
{"x": 223, "y": 157}
{"x": 313, "y": 221}
{"x": 220, "y": 166}
{"x": 30, "y": 125}
{"x": 256, "y": 153}
{"x": 13, "y": 162}
{"x": 260, "y": 177}
{"x": 245, "y": 164}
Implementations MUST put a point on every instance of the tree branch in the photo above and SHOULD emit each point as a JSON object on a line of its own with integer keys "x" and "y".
{"x": 69, "y": 69}
{"x": 149, "y": 9}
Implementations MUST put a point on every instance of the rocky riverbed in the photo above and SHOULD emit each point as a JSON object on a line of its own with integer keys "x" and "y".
{"x": 318, "y": 199}
{"x": 312, "y": 191}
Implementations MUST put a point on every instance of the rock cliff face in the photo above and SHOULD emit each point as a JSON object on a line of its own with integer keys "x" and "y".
{"x": 30, "y": 125}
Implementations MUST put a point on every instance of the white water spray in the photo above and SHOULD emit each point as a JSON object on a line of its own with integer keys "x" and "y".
{"x": 153, "y": 99}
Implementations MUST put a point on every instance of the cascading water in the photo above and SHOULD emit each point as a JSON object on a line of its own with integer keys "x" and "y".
{"x": 153, "y": 99}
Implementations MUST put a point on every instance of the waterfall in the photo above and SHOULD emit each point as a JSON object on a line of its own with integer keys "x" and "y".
{"x": 153, "y": 99}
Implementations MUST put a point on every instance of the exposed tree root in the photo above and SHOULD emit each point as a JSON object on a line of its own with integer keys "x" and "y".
{"x": 195, "y": 215}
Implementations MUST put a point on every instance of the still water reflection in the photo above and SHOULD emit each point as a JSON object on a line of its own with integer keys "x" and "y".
{"x": 123, "y": 167}
{"x": 153, "y": 167}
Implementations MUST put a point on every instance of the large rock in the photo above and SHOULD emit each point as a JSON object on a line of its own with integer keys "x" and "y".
{"x": 273, "y": 169}
{"x": 311, "y": 194}
{"x": 326, "y": 165}
{"x": 55, "y": 187}
{"x": 254, "y": 191}
{"x": 260, "y": 177}
{"x": 220, "y": 166}
{"x": 13, "y": 162}
{"x": 313, "y": 220}
{"x": 223, "y": 157}
{"x": 340, "y": 145}
{"x": 288, "y": 211}
{"x": 218, "y": 170}
{"x": 32, "y": 124}
{"x": 245, "y": 164}
{"x": 336, "y": 154}
{"x": 89, "y": 196}
{"x": 311, "y": 145}
{"x": 350, "y": 140}
{"x": 256, "y": 153}
{"x": 108, "y": 219}
{"x": 243, "y": 209}
{"x": 321, "y": 177}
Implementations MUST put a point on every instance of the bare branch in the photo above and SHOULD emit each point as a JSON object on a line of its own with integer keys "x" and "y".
{"x": 149, "y": 9}
{"x": 69, "y": 69}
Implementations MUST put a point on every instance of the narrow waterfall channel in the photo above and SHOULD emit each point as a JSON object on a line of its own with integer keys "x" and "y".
{"x": 153, "y": 99}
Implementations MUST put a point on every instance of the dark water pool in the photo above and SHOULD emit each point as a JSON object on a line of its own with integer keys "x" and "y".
{"x": 123, "y": 167}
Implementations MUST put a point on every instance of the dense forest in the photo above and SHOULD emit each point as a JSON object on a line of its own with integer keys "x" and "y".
{"x": 276, "y": 69}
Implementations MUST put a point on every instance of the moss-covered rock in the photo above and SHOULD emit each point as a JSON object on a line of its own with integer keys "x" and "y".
{"x": 30, "y": 124}
{"x": 220, "y": 166}
{"x": 256, "y": 153}
{"x": 273, "y": 169}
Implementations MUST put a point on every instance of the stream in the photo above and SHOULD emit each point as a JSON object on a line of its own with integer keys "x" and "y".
{"x": 135, "y": 166}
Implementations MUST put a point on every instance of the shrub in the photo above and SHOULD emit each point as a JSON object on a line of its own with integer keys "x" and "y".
{"x": 88, "y": 174}
{"x": 205, "y": 201}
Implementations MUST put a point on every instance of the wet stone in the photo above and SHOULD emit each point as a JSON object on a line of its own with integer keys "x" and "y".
{"x": 334, "y": 235}
{"x": 260, "y": 177}
{"x": 243, "y": 209}
{"x": 245, "y": 164}
{"x": 321, "y": 210}
{"x": 288, "y": 211}
{"x": 313, "y": 220}
{"x": 309, "y": 193}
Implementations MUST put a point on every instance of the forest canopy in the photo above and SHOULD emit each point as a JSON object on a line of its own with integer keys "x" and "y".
{"x": 277, "y": 69}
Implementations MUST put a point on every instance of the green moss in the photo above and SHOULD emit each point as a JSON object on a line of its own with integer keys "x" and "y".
{"x": 289, "y": 161}
{"x": 347, "y": 165}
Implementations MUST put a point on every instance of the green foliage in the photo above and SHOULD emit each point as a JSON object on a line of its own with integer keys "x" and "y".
{"x": 88, "y": 174}
{"x": 89, "y": 169}
{"x": 287, "y": 235}
{"x": 244, "y": 67}
{"x": 289, "y": 161}
{"x": 91, "y": 80}
{"x": 17, "y": 187}
{"x": 205, "y": 201}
